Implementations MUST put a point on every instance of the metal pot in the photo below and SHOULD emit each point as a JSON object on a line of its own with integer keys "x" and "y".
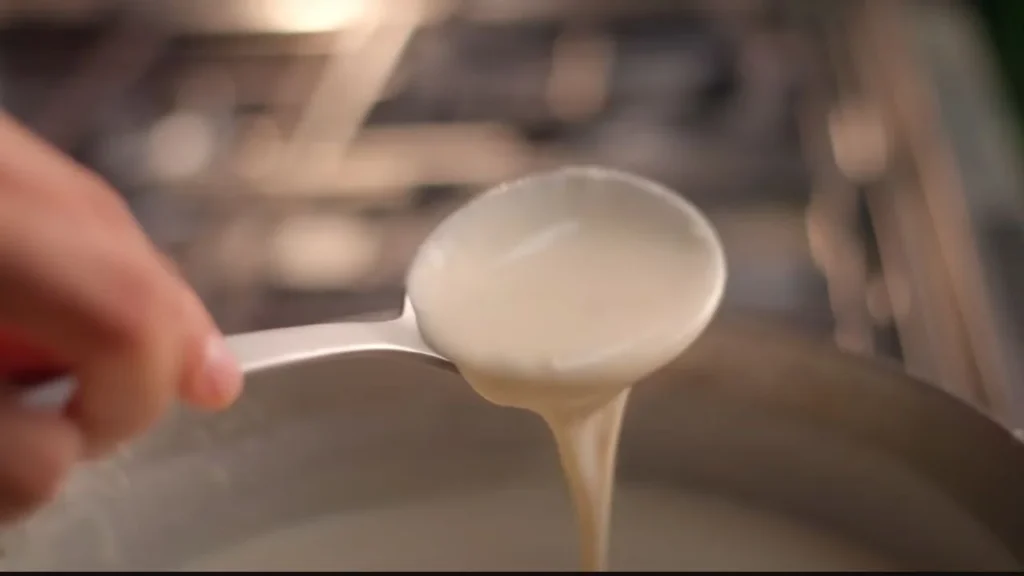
{"x": 753, "y": 414}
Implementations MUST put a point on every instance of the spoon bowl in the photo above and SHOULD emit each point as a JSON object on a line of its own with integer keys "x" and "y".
{"x": 505, "y": 283}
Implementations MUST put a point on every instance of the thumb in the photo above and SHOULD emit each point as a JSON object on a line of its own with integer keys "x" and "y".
{"x": 211, "y": 379}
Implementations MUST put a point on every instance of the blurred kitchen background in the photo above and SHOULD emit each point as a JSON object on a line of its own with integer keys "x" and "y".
{"x": 861, "y": 158}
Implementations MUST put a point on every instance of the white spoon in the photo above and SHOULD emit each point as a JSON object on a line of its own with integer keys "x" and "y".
{"x": 565, "y": 190}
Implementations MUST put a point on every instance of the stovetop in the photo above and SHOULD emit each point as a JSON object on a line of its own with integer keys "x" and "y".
{"x": 244, "y": 153}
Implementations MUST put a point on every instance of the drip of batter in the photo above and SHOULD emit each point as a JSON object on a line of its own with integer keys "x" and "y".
{"x": 556, "y": 295}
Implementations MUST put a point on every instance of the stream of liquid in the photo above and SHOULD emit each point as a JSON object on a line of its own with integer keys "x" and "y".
{"x": 561, "y": 314}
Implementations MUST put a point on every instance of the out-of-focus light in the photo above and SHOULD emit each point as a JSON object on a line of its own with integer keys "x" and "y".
{"x": 323, "y": 252}
{"x": 180, "y": 146}
{"x": 580, "y": 66}
{"x": 279, "y": 16}
{"x": 860, "y": 142}
{"x": 310, "y": 15}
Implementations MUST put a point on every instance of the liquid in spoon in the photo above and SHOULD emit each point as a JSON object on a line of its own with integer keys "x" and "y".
{"x": 556, "y": 294}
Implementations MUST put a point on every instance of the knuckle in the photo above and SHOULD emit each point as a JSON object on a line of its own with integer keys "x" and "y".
{"x": 140, "y": 303}
{"x": 122, "y": 409}
{"x": 148, "y": 402}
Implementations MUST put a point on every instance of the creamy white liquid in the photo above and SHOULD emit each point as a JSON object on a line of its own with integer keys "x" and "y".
{"x": 557, "y": 297}
{"x": 499, "y": 530}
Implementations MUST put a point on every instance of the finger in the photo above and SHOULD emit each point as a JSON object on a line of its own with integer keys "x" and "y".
{"x": 37, "y": 451}
{"x": 89, "y": 284}
{"x": 113, "y": 315}
{"x": 73, "y": 291}
{"x": 127, "y": 386}
{"x": 211, "y": 379}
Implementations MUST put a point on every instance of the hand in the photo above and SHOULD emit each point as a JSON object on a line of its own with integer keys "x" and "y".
{"x": 80, "y": 280}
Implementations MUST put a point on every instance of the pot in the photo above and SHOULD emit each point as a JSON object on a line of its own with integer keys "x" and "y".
{"x": 752, "y": 417}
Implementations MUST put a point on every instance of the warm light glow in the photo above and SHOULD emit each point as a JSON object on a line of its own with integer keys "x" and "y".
{"x": 307, "y": 15}
{"x": 180, "y": 146}
{"x": 323, "y": 252}
{"x": 278, "y": 16}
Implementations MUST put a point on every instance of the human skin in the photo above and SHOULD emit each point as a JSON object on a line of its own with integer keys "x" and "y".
{"x": 82, "y": 286}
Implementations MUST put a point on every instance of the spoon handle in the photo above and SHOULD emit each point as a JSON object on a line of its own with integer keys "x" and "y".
{"x": 256, "y": 351}
{"x": 45, "y": 384}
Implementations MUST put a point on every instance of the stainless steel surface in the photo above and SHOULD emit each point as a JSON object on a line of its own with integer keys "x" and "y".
{"x": 795, "y": 425}
{"x": 270, "y": 349}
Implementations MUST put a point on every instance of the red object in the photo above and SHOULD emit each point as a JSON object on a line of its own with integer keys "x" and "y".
{"x": 20, "y": 359}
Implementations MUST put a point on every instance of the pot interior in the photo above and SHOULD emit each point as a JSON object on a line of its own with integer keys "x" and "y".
{"x": 387, "y": 464}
